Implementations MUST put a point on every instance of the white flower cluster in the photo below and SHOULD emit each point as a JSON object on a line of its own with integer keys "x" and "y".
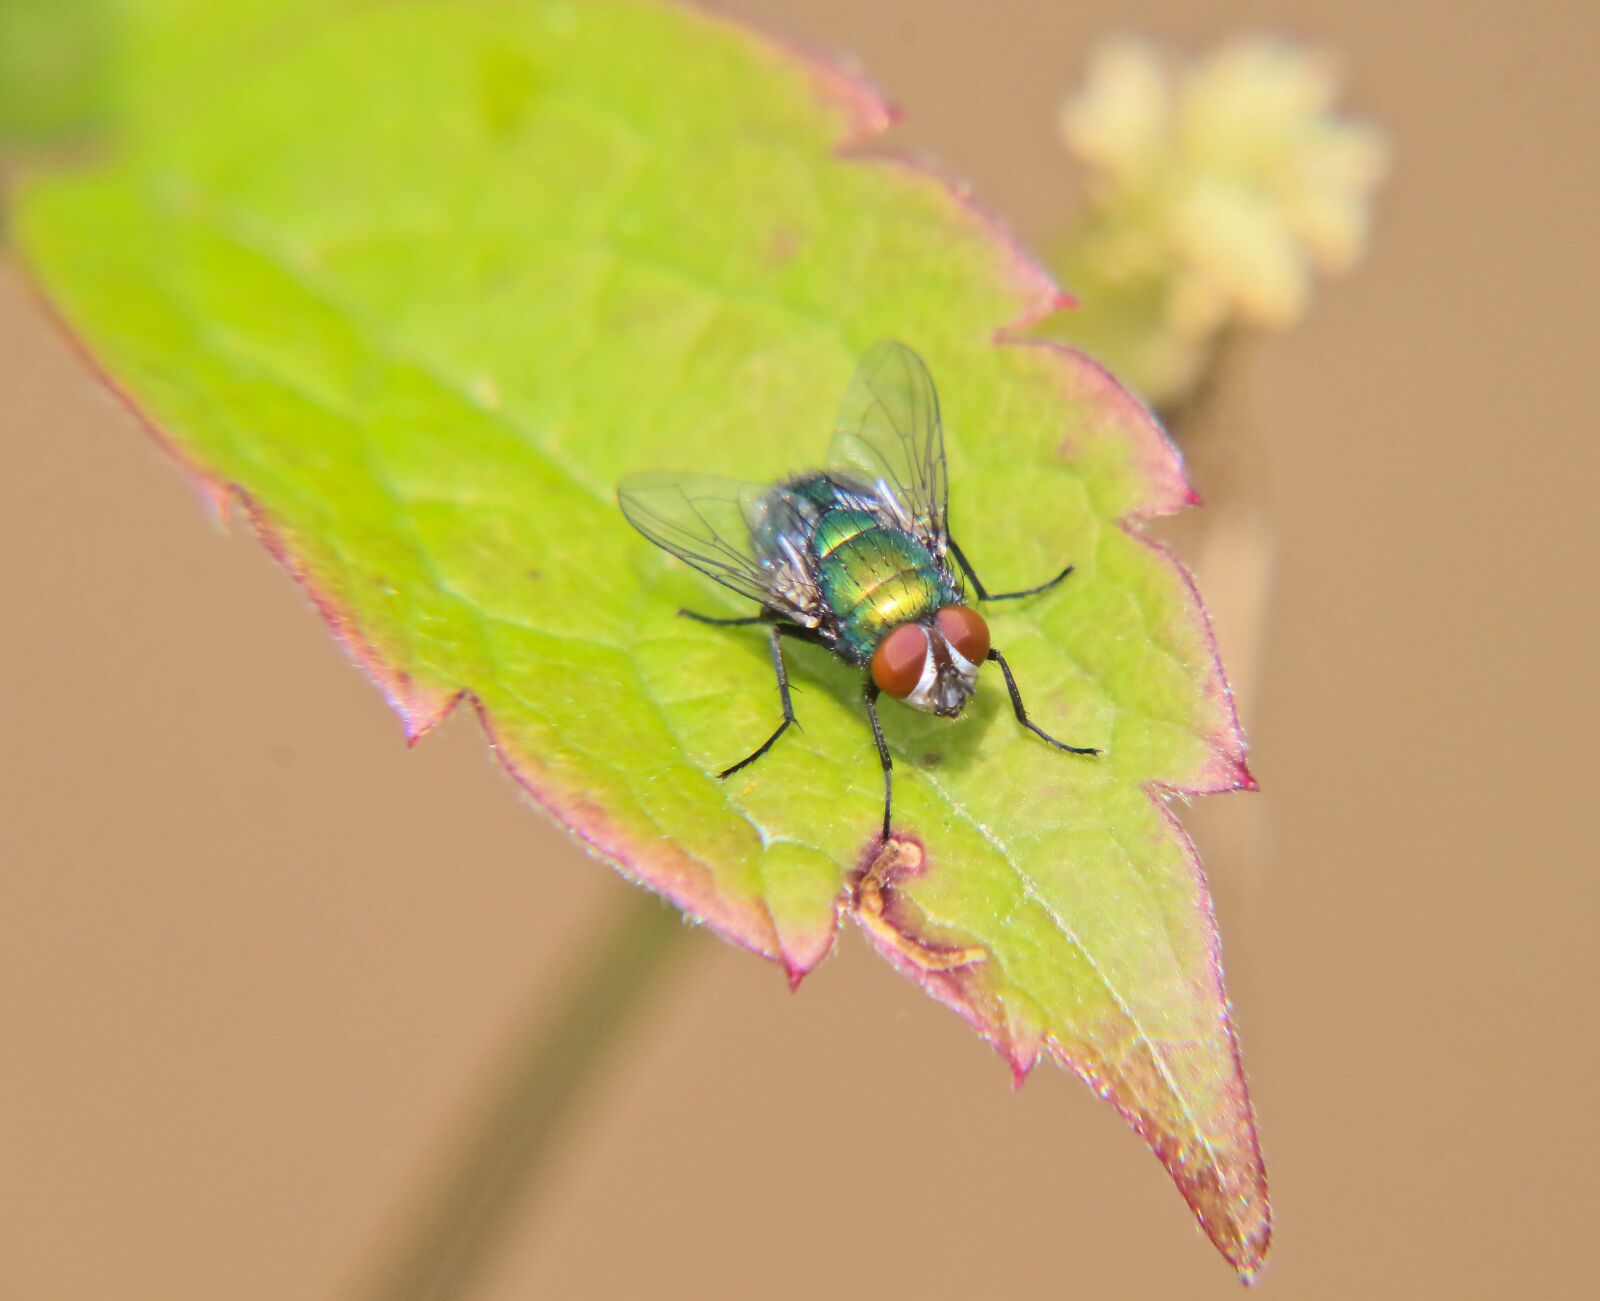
{"x": 1222, "y": 184}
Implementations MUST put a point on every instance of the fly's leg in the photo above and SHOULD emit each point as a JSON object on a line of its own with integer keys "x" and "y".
{"x": 984, "y": 594}
{"x": 716, "y": 621}
{"x": 1022, "y": 713}
{"x": 883, "y": 753}
{"x": 783, "y": 695}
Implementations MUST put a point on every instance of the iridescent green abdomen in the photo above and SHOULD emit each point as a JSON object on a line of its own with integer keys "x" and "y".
{"x": 873, "y": 577}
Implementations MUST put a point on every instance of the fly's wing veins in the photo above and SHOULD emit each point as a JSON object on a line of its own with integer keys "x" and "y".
{"x": 888, "y": 438}
{"x": 709, "y": 522}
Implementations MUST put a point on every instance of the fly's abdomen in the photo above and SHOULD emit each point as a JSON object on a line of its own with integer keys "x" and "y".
{"x": 873, "y": 578}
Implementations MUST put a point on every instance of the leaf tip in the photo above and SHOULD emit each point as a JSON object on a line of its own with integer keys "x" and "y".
{"x": 834, "y": 81}
{"x": 1021, "y": 1062}
{"x": 794, "y": 972}
{"x": 1164, "y": 486}
{"x": 1252, "y": 1248}
{"x": 419, "y": 713}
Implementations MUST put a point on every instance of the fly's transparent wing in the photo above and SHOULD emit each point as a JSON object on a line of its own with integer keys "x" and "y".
{"x": 888, "y": 438}
{"x": 708, "y": 522}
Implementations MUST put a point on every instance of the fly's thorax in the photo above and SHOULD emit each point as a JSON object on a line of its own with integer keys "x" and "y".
{"x": 932, "y": 664}
{"x": 874, "y": 577}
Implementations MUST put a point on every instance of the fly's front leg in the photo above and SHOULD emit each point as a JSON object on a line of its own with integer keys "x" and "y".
{"x": 883, "y": 754}
{"x": 1022, "y": 713}
{"x": 984, "y": 594}
{"x": 783, "y": 696}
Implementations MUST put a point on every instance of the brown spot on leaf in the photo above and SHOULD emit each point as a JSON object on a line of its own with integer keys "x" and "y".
{"x": 886, "y": 919}
{"x": 783, "y": 244}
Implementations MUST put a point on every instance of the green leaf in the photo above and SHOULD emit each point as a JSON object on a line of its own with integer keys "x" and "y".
{"x": 423, "y": 281}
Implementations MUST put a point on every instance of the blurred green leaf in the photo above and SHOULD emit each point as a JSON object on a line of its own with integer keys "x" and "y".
{"x": 424, "y": 281}
{"x": 55, "y": 67}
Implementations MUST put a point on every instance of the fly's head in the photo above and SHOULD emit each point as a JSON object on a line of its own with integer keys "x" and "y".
{"x": 933, "y": 664}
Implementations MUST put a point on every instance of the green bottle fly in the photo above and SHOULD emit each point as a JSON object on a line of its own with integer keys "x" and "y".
{"x": 857, "y": 557}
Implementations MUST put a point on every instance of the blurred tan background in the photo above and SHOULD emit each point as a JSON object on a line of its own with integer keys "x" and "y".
{"x": 259, "y": 964}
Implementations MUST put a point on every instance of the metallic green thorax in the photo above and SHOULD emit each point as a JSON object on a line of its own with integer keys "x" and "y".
{"x": 873, "y": 575}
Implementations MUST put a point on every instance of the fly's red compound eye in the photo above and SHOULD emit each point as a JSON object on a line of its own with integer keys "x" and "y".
{"x": 897, "y": 663}
{"x": 964, "y": 628}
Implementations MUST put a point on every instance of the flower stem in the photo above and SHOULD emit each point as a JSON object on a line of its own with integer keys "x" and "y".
{"x": 529, "y": 1111}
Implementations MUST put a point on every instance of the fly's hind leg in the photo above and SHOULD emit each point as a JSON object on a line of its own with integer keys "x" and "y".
{"x": 782, "y": 671}
{"x": 883, "y": 754}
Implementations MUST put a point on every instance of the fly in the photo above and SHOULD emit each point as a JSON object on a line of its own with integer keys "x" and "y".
{"x": 856, "y": 557}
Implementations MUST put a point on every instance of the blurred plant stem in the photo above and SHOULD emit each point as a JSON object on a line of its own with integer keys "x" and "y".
{"x": 1220, "y": 189}
{"x": 1229, "y": 544}
{"x": 1229, "y": 541}
{"x": 522, "y": 1122}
